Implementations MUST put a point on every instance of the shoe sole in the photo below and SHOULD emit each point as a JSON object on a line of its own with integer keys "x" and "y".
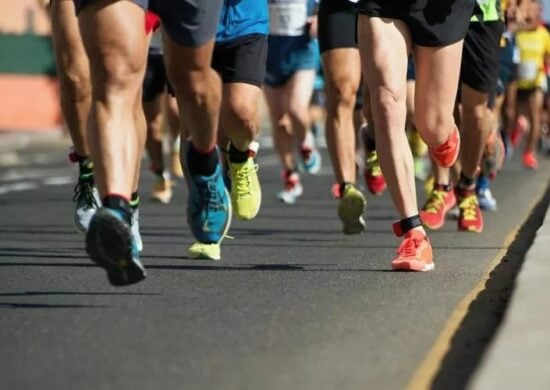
{"x": 414, "y": 265}
{"x": 109, "y": 245}
{"x": 455, "y": 157}
{"x": 350, "y": 212}
{"x": 203, "y": 256}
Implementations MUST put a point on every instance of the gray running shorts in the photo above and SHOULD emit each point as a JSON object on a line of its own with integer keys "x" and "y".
{"x": 189, "y": 23}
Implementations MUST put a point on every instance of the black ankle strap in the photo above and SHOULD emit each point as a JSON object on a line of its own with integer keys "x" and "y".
{"x": 400, "y": 228}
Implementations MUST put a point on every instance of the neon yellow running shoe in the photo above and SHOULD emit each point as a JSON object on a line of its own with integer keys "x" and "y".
{"x": 418, "y": 146}
{"x": 246, "y": 193}
{"x": 203, "y": 251}
{"x": 351, "y": 208}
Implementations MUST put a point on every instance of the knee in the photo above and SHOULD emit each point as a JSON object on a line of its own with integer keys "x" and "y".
{"x": 433, "y": 125}
{"x": 245, "y": 114}
{"x": 116, "y": 72}
{"x": 476, "y": 112}
{"x": 341, "y": 95}
{"x": 194, "y": 85}
{"x": 283, "y": 125}
{"x": 387, "y": 103}
{"x": 75, "y": 81}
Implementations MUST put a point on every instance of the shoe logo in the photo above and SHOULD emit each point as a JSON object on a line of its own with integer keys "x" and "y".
{"x": 206, "y": 228}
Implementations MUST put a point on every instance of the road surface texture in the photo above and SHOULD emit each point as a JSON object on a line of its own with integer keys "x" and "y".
{"x": 294, "y": 304}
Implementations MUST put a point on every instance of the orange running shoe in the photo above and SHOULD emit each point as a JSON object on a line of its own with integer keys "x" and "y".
{"x": 414, "y": 253}
{"x": 470, "y": 218}
{"x": 530, "y": 160}
{"x": 446, "y": 154}
{"x": 440, "y": 201}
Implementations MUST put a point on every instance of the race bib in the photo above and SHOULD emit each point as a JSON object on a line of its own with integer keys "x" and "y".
{"x": 287, "y": 19}
{"x": 528, "y": 71}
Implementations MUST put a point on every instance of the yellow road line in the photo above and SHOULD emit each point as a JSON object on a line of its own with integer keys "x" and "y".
{"x": 430, "y": 366}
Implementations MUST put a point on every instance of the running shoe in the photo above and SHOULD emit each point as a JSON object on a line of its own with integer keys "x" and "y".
{"x": 486, "y": 200}
{"x": 162, "y": 190}
{"x": 135, "y": 229}
{"x": 373, "y": 174}
{"x": 446, "y": 154}
{"x": 246, "y": 193}
{"x": 87, "y": 202}
{"x": 521, "y": 127}
{"x": 351, "y": 208}
{"x": 205, "y": 251}
{"x": 530, "y": 160}
{"x": 437, "y": 206}
{"x": 470, "y": 218}
{"x": 311, "y": 159}
{"x": 292, "y": 188}
{"x": 111, "y": 245}
{"x": 493, "y": 156}
{"x": 418, "y": 146}
{"x": 414, "y": 253}
{"x": 208, "y": 205}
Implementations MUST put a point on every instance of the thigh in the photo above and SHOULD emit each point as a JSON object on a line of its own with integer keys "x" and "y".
{"x": 437, "y": 73}
{"x": 69, "y": 49}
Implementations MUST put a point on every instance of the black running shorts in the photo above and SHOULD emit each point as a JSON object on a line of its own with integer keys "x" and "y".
{"x": 190, "y": 23}
{"x": 241, "y": 60}
{"x": 337, "y": 21}
{"x": 155, "y": 81}
{"x": 481, "y": 56}
{"x": 432, "y": 23}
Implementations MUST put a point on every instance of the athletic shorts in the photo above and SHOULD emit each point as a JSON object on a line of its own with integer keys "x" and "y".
{"x": 411, "y": 70}
{"x": 155, "y": 81}
{"x": 431, "y": 23}
{"x": 481, "y": 56}
{"x": 190, "y": 23}
{"x": 288, "y": 55}
{"x": 241, "y": 60}
{"x": 523, "y": 95}
{"x": 337, "y": 21}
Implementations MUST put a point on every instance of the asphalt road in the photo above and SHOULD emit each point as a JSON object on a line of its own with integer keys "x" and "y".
{"x": 294, "y": 304}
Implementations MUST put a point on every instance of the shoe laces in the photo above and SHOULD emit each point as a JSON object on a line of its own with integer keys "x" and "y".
{"x": 409, "y": 246}
{"x": 241, "y": 179}
{"x": 435, "y": 201}
{"x": 469, "y": 206}
{"x": 373, "y": 165}
{"x": 84, "y": 192}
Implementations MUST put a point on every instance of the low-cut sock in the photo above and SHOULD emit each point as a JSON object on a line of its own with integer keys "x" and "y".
{"x": 466, "y": 184}
{"x": 203, "y": 163}
{"x": 237, "y": 156}
{"x": 120, "y": 204}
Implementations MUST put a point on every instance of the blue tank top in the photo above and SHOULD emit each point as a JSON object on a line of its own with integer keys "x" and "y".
{"x": 242, "y": 17}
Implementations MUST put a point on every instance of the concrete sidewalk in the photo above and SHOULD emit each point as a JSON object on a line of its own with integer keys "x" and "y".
{"x": 519, "y": 356}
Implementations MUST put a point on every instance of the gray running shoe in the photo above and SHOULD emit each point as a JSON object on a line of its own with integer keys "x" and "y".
{"x": 135, "y": 229}
{"x": 87, "y": 202}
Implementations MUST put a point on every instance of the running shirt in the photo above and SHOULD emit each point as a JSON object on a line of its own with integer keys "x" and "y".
{"x": 490, "y": 9}
{"x": 533, "y": 46}
{"x": 289, "y": 18}
{"x": 242, "y": 17}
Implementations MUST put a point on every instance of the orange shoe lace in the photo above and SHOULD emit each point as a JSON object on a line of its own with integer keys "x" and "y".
{"x": 409, "y": 246}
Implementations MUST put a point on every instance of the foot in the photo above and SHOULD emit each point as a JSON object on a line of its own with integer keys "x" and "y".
{"x": 87, "y": 202}
{"x": 414, "y": 253}
{"x": 246, "y": 193}
{"x": 292, "y": 188}
{"x": 470, "y": 218}
{"x": 208, "y": 205}
{"x": 135, "y": 229}
{"x": 110, "y": 244}
{"x": 530, "y": 160}
{"x": 373, "y": 174}
{"x": 205, "y": 251}
{"x": 162, "y": 190}
{"x": 437, "y": 206}
{"x": 446, "y": 154}
{"x": 350, "y": 210}
{"x": 311, "y": 159}
{"x": 486, "y": 200}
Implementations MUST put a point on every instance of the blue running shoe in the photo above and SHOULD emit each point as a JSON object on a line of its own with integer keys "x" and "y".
{"x": 110, "y": 244}
{"x": 311, "y": 160}
{"x": 208, "y": 204}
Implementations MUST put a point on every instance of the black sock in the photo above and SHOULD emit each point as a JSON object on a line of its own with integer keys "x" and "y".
{"x": 203, "y": 164}
{"x": 466, "y": 183}
{"x": 86, "y": 168}
{"x": 134, "y": 200}
{"x": 443, "y": 187}
{"x": 370, "y": 143}
{"x": 236, "y": 156}
{"x": 120, "y": 204}
{"x": 343, "y": 187}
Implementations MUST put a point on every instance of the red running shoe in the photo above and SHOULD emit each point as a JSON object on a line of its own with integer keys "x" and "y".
{"x": 414, "y": 253}
{"x": 437, "y": 206}
{"x": 470, "y": 218}
{"x": 373, "y": 174}
{"x": 446, "y": 154}
{"x": 530, "y": 160}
